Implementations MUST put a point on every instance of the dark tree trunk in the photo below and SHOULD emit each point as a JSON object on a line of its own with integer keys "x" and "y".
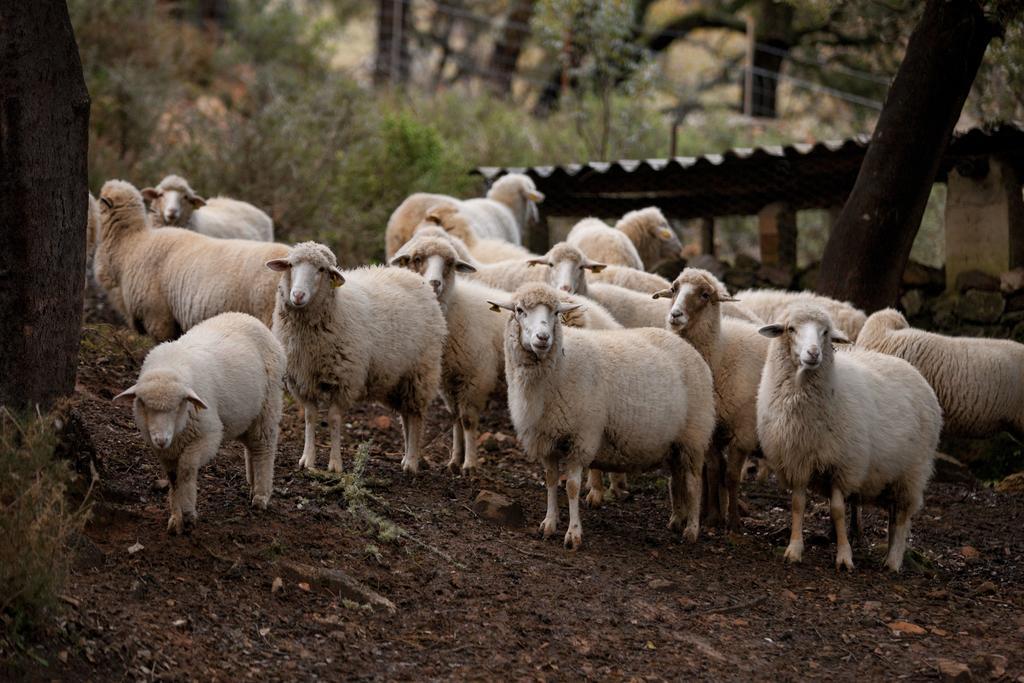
{"x": 870, "y": 243}
{"x": 44, "y": 126}
{"x": 394, "y": 31}
{"x": 503, "y": 61}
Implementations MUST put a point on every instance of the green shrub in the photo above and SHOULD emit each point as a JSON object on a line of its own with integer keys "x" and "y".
{"x": 36, "y": 522}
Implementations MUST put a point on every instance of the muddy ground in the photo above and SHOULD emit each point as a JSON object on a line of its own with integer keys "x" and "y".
{"x": 474, "y": 600}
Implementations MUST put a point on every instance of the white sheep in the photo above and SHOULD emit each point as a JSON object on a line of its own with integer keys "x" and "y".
{"x": 852, "y": 423}
{"x": 651, "y": 234}
{"x": 630, "y": 278}
{"x": 736, "y": 353}
{"x": 979, "y": 382}
{"x": 574, "y": 402}
{"x": 769, "y": 304}
{"x": 220, "y": 381}
{"x": 603, "y": 243}
{"x": 165, "y": 281}
{"x": 173, "y": 203}
{"x": 504, "y": 214}
{"x": 371, "y": 333}
{"x": 457, "y": 223}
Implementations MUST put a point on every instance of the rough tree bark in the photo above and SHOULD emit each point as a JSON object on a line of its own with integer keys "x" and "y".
{"x": 502, "y": 66}
{"x": 394, "y": 31}
{"x": 870, "y": 243}
{"x": 44, "y": 122}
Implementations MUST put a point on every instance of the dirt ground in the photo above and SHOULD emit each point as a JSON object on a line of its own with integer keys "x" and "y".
{"x": 475, "y": 600}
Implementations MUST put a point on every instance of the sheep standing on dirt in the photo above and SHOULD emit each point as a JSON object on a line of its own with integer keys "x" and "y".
{"x": 979, "y": 382}
{"x": 221, "y": 381}
{"x": 503, "y": 214}
{"x": 370, "y": 333}
{"x": 574, "y": 402}
{"x": 770, "y": 304}
{"x": 164, "y": 282}
{"x": 736, "y": 353}
{"x": 856, "y": 422}
{"x": 173, "y": 203}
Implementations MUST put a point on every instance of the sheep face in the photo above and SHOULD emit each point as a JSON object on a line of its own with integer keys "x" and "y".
{"x": 162, "y": 406}
{"x": 568, "y": 268}
{"x": 695, "y": 294}
{"x": 670, "y": 244}
{"x": 173, "y": 200}
{"x": 807, "y": 333}
{"x": 535, "y": 311}
{"x": 435, "y": 259}
{"x": 447, "y": 217}
{"x": 308, "y": 271}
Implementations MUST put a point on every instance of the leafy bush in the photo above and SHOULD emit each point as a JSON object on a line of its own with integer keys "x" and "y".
{"x": 36, "y": 522}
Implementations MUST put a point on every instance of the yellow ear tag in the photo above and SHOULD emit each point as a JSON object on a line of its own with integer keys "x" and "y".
{"x": 335, "y": 284}
{"x": 665, "y": 233}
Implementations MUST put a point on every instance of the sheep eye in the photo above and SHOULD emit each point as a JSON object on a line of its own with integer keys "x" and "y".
{"x": 705, "y": 296}
{"x": 321, "y": 269}
{"x": 519, "y": 311}
{"x": 790, "y": 329}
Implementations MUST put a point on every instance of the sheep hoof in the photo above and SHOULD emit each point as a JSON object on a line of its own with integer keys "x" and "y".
{"x": 162, "y": 484}
{"x": 174, "y": 525}
{"x": 334, "y": 466}
{"x": 454, "y": 466}
{"x": 794, "y": 552}
{"x": 260, "y": 501}
{"x": 307, "y": 462}
{"x": 410, "y": 466}
{"x": 691, "y": 534}
{"x": 573, "y": 539}
{"x": 844, "y": 558}
{"x": 547, "y": 529}
{"x": 675, "y": 523}
{"x": 594, "y": 498}
{"x": 469, "y": 471}
{"x": 621, "y": 494}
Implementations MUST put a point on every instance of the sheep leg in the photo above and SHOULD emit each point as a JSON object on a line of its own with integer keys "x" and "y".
{"x": 470, "y": 422}
{"x": 733, "y": 475}
{"x": 248, "y": 466}
{"x": 691, "y": 471}
{"x": 619, "y": 485}
{"x": 856, "y": 520}
{"x": 309, "y": 414}
{"x": 685, "y": 493}
{"x": 844, "y": 555}
{"x": 574, "y": 536}
{"x": 412, "y": 425}
{"x": 550, "y": 524}
{"x": 458, "y": 446}
{"x": 795, "y": 549}
{"x": 182, "y": 496}
{"x": 898, "y": 534}
{"x": 334, "y": 420}
{"x": 261, "y": 450}
{"x": 595, "y": 482}
{"x": 713, "y": 463}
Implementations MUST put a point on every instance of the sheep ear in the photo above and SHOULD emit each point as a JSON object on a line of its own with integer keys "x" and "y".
{"x": 279, "y": 264}
{"x": 496, "y": 306}
{"x": 128, "y": 394}
{"x": 771, "y": 331}
{"x": 196, "y": 401}
{"x": 564, "y": 307}
{"x": 106, "y": 202}
{"x": 337, "y": 279}
{"x": 594, "y": 267}
{"x": 662, "y": 294}
{"x": 538, "y": 262}
{"x": 197, "y": 201}
{"x": 535, "y": 196}
{"x": 463, "y": 267}
{"x": 839, "y": 338}
{"x": 151, "y": 193}
{"x": 665, "y": 233}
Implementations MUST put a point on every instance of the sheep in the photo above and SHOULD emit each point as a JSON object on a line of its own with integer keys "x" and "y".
{"x": 979, "y": 382}
{"x": 736, "y": 353}
{"x": 768, "y": 304}
{"x": 651, "y": 234}
{"x": 220, "y": 381}
{"x": 604, "y": 243}
{"x": 503, "y": 214}
{"x": 457, "y": 223}
{"x": 165, "y": 281}
{"x": 630, "y": 278}
{"x": 371, "y": 333}
{"x": 173, "y": 203}
{"x": 92, "y": 226}
{"x": 856, "y": 422}
{"x": 573, "y": 399}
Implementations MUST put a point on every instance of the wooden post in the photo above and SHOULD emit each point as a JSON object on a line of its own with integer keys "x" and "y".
{"x": 707, "y": 235}
{"x": 776, "y": 225}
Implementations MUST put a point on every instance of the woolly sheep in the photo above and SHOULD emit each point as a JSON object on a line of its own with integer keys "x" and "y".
{"x": 604, "y": 243}
{"x": 220, "y": 381}
{"x": 856, "y": 422}
{"x": 979, "y": 382}
{"x": 448, "y": 217}
{"x": 735, "y": 352}
{"x": 651, "y": 234}
{"x": 371, "y": 333}
{"x": 166, "y": 281}
{"x": 173, "y": 203}
{"x": 769, "y": 304}
{"x": 630, "y": 278}
{"x": 573, "y": 399}
{"x": 92, "y": 226}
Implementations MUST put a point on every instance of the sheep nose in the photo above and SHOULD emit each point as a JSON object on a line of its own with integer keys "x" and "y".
{"x": 813, "y": 353}
{"x": 565, "y": 288}
{"x": 676, "y": 313}
{"x": 543, "y": 336}
{"x": 436, "y": 284}
{"x": 298, "y": 296}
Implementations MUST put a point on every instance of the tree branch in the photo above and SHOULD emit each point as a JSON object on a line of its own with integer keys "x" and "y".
{"x": 692, "y": 21}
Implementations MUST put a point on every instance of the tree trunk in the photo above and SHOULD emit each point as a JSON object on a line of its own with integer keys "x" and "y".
{"x": 773, "y": 36}
{"x": 870, "y": 243}
{"x": 394, "y": 30}
{"x": 44, "y": 127}
{"x": 502, "y": 66}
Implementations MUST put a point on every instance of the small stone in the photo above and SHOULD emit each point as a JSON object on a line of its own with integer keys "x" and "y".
{"x": 499, "y": 509}
{"x": 740, "y": 622}
{"x": 276, "y": 586}
{"x": 382, "y": 422}
{"x": 1012, "y": 484}
{"x": 952, "y": 670}
{"x": 872, "y": 606}
{"x": 63, "y": 656}
{"x": 1015, "y": 302}
{"x": 303, "y": 586}
{"x": 919, "y": 275}
{"x": 975, "y": 279}
{"x": 969, "y": 552}
{"x": 1012, "y": 281}
{"x": 981, "y": 306}
{"x": 789, "y": 595}
{"x": 912, "y": 302}
{"x": 996, "y": 665}
{"x": 936, "y": 631}
{"x": 179, "y": 623}
{"x": 136, "y": 547}
{"x": 938, "y": 594}
{"x": 906, "y": 628}
{"x": 688, "y": 604}
{"x": 986, "y": 588}
{"x": 662, "y": 585}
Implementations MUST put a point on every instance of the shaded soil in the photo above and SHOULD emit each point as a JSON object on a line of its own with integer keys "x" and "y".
{"x": 477, "y": 600}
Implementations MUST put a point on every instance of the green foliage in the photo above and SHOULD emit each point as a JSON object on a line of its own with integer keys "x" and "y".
{"x": 36, "y": 523}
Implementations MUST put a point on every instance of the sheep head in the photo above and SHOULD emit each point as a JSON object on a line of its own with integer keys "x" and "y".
{"x": 163, "y": 404}
{"x": 568, "y": 268}
{"x": 535, "y": 311}
{"x": 435, "y": 259}
{"x": 696, "y": 296}
{"x": 309, "y": 272}
{"x": 173, "y": 201}
{"x": 805, "y": 332}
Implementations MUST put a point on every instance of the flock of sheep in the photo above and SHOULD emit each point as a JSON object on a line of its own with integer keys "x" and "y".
{"x": 605, "y": 368}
